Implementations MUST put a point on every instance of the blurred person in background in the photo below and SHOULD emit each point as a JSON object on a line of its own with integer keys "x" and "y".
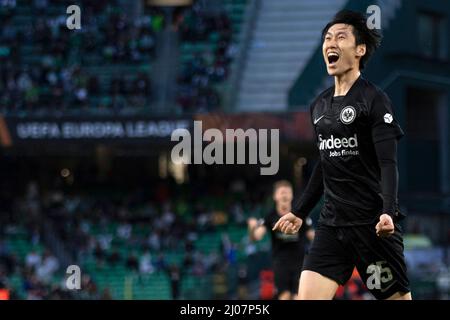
{"x": 287, "y": 250}
{"x": 174, "y": 274}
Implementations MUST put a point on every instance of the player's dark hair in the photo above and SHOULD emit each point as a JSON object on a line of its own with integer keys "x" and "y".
{"x": 363, "y": 35}
{"x": 281, "y": 183}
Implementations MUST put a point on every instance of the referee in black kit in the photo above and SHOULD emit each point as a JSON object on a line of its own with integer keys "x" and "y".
{"x": 288, "y": 250}
{"x": 357, "y": 173}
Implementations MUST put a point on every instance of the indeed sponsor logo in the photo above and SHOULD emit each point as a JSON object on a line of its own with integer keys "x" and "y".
{"x": 336, "y": 144}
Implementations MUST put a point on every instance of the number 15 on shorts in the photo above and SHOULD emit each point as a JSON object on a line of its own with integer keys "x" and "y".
{"x": 379, "y": 273}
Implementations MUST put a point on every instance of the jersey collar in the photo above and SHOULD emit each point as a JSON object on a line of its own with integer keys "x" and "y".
{"x": 351, "y": 94}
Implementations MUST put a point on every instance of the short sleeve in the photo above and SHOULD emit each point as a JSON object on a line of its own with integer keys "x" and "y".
{"x": 383, "y": 123}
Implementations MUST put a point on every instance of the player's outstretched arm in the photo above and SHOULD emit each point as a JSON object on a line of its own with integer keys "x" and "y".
{"x": 256, "y": 229}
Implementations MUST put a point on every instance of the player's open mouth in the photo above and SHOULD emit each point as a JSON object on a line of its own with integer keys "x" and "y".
{"x": 333, "y": 57}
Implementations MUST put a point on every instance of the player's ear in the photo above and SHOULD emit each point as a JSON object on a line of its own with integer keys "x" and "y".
{"x": 360, "y": 50}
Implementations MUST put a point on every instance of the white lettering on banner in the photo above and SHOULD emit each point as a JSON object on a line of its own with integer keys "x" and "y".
{"x": 98, "y": 129}
{"x": 37, "y": 130}
{"x": 142, "y": 129}
{"x": 73, "y": 130}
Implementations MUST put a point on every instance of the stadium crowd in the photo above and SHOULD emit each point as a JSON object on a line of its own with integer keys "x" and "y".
{"x": 132, "y": 230}
{"x": 106, "y": 65}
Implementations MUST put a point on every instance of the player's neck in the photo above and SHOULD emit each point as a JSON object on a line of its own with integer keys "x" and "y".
{"x": 283, "y": 209}
{"x": 343, "y": 82}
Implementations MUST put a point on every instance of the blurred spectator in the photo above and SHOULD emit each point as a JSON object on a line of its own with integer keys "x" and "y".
{"x": 48, "y": 267}
{"x": 32, "y": 260}
{"x": 132, "y": 262}
{"x": 124, "y": 231}
{"x": 175, "y": 279}
{"x": 168, "y": 217}
{"x": 154, "y": 241}
{"x": 114, "y": 257}
{"x": 161, "y": 264}
{"x": 145, "y": 263}
{"x": 99, "y": 253}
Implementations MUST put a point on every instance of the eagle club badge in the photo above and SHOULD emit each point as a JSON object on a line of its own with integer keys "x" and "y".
{"x": 348, "y": 115}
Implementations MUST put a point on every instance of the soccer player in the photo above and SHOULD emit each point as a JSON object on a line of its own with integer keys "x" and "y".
{"x": 357, "y": 173}
{"x": 288, "y": 250}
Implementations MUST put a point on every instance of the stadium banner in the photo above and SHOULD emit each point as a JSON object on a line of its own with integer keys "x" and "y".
{"x": 294, "y": 126}
{"x": 26, "y": 130}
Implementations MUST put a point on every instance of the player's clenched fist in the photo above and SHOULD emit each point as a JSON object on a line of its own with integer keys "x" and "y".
{"x": 289, "y": 223}
{"x": 385, "y": 227}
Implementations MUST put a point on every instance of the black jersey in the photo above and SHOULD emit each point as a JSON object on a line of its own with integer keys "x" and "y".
{"x": 346, "y": 134}
{"x": 289, "y": 248}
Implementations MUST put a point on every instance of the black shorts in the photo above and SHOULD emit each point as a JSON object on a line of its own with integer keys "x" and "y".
{"x": 287, "y": 275}
{"x": 380, "y": 262}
